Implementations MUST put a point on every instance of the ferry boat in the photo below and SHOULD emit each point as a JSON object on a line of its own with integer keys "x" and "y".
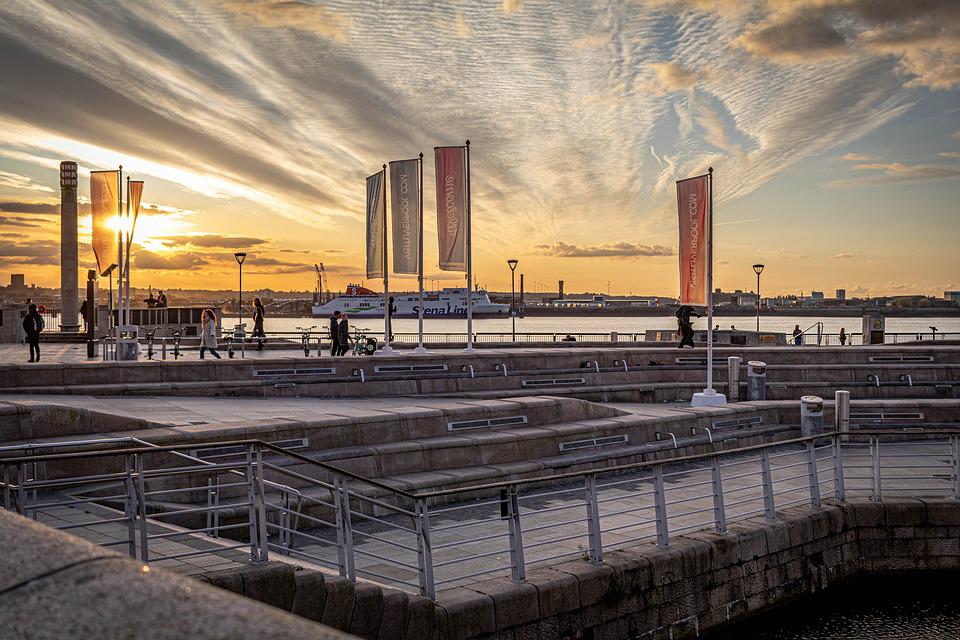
{"x": 447, "y": 303}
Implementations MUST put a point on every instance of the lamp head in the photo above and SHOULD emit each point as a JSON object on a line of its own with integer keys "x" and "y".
{"x": 513, "y": 263}
{"x": 240, "y": 256}
{"x": 758, "y": 268}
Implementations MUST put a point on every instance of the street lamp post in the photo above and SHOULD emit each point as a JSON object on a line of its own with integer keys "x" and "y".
{"x": 758, "y": 269}
{"x": 240, "y": 256}
{"x": 512, "y": 263}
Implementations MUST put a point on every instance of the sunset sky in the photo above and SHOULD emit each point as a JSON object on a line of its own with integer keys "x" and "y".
{"x": 833, "y": 127}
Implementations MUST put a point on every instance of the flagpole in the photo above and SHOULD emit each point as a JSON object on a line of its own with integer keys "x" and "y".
{"x": 120, "y": 320}
{"x": 126, "y": 266}
{"x": 420, "y": 348}
{"x": 386, "y": 270}
{"x": 710, "y": 390}
{"x": 469, "y": 261}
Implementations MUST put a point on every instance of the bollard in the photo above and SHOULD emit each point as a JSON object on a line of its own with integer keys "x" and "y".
{"x": 811, "y": 416}
{"x": 614, "y": 336}
{"x": 841, "y": 412}
{"x": 756, "y": 380}
{"x": 733, "y": 378}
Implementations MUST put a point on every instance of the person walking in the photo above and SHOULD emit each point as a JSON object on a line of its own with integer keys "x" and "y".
{"x": 843, "y": 336}
{"x": 33, "y": 325}
{"x": 685, "y": 326}
{"x": 258, "y": 314}
{"x": 208, "y": 333}
{"x": 85, "y": 314}
{"x": 335, "y": 334}
{"x": 343, "y": 335}
{"x": 797, "y": 335}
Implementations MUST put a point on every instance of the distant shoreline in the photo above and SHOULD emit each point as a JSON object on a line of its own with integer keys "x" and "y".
{"x": 719, "y": 312}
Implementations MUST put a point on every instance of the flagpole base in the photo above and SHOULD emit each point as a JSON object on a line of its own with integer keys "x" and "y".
{"x": 420, "y": 349}
{"x": 387, "y": 351}
{"x": 469, "y": 350}
{"x": 708, "y": 398}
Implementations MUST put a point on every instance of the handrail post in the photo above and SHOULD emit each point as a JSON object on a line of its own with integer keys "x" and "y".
{"x": 593, "y": 519}
{"x": 252, "y": 508}
{"x": 21, "y": 492}
{"x": 262, "y": 535}
{"x": 719, "y": 509}
{"x": 875, "y": 463}
{"x": 812, "y": 474}
{"x": 769, "y": 507}
{"x": 955, "y": 446}
{"x": 7, "y": 499}
{"x": 424, "y": 550}
{"x": 142, "y": 508}
{"x": 839, "y": 490}
{"x": 341, "y": 537}
{"x": 660, "y": 507}
{"x": 518, "y": 567}
{"x": 130, "y": 507}
{"x": 344, "y": 497}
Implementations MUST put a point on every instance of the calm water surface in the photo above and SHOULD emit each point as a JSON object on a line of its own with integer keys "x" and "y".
{"x": 916, "y": 607}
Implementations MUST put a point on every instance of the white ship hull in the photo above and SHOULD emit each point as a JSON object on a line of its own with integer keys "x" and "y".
{"x": 448, "y": 303}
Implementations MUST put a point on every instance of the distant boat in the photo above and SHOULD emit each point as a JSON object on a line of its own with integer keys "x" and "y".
{"x": 446, "y": 303}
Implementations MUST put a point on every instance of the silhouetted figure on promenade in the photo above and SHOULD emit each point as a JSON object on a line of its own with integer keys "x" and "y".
{"x": 335, "y": 334}
{"x": 33, "y": 325}
{"x": 208, "y": 333}
{"x": 258, "y": 315}
{"x": 161, "y": 299}
{"x": 85, "y": 314}
{"x": 343, "y": 335}
{"x": 151, "y": 301}
{"x": 843, "y": 336}
{"x": 685, "y": 326}
{"x": 797, "y": 335}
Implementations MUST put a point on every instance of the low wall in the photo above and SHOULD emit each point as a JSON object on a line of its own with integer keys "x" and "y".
{"x": 701, "y": 581}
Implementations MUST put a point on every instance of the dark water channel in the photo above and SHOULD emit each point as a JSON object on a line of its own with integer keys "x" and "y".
{"x": 904, "y": 607}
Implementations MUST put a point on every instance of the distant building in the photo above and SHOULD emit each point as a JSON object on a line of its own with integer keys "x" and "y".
{"x": 950, "y": 296}
{"x": 841, "y": 294}
{"x": 736, "y": 299}
{"x": 816, "y": 295}
{"x": 18, "y": 281}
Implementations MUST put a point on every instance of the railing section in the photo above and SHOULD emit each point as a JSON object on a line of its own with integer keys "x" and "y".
{"x": 256, "y": 497}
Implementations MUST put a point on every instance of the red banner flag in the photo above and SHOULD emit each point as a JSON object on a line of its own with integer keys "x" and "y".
{"x": 104, "y": 196}
{"x": 452, "y": 207}
{"x": 694, "y": 234}
{"x": 136, "y": 193}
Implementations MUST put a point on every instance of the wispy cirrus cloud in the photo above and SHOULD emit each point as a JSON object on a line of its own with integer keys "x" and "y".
{"x": 614, "y": 250}
{"x": 888, "y": 173}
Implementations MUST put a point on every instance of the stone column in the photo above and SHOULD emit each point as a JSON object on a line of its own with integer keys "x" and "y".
{"x": 68, "y": 247}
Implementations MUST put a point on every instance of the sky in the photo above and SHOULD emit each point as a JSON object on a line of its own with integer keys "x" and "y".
{"x": 833, "y": 127}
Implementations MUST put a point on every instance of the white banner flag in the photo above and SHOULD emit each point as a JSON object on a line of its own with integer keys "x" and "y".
{"x": 376, "y": 225}
{"x": 405, "y": 215}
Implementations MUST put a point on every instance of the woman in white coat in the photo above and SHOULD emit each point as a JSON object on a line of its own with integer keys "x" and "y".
{"x": 208, "y": 333}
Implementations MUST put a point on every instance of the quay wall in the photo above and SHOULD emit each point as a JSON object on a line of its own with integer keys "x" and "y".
{"x": 700, "y": 582}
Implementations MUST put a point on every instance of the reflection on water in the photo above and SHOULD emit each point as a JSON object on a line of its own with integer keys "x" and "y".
{"x": 914, "y": 607}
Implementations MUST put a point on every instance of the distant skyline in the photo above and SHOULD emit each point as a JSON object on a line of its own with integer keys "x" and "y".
{"x": 833, "y": 127}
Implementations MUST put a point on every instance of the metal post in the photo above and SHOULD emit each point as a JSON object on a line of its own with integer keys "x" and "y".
{"x": 839, "y": 489}
{"x": 424, "y": 550}
{"x": 347, "y": 530}
{"x": 955, "y": 463}
{"x": 719, "y": 510}
{"x": 593, "y": 520}
{"x": 130, "y": 507}
{"x": 812, "y": 474}
{"x": 518, "y": 567}
{"x": 469, "y": 247}
{"x": 733, "y": 378}
{"x": 262, "y": 537}
{"x": 660, "y": 507}
{"x": 769, "y": 508}
{"x": 252, "y": 508}
{"x": 341, "y": 538}
{"x": 875, "y": 462}
{"x": 142, "y": 508}
{"x": 420, "y": 348}
{"x": 841, "y": 412}
{"x": 7, "y": 499}
{"x": 21, "y": 492}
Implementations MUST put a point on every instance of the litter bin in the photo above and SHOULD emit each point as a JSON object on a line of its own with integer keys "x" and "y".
{"x": 128, "y": 342}
{"x": 811, "y": 415}
{"x": 756, "y": 380}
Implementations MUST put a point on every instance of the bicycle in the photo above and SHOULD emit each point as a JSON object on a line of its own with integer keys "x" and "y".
{"x": 177, "y": 334}
{"x": 149, "y": 334}
{"x": 305, "y": 338}
{"x": 362, "y": 345}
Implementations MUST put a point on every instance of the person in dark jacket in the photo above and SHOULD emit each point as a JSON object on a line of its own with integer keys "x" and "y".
{"x": 335, "y": 334}
{"x": 85, "y": 314}
{"x": 685, "y": 326}
{"x": 33, "y": 325}
{"x": 343, "y": 335}
{"x": 258, "y": 315}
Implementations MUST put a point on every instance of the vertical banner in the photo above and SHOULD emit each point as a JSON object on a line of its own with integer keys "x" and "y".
{"x": 405, "y": 215}
{"x": 136, "y": 192}
{"x": 376, "y": 223}
{"x": 451, "y": 207}
{"x": 104, "y": 202}
{"x": 694, "y": 236}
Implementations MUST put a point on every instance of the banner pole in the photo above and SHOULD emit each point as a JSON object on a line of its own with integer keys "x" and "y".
{"x": 420, "y": 348}
{"x": 126, "y": 266}
{"x": 469, "y": 261}
{"x": 386, "y": 268}
{"x": 120, "y": 319}
{"x": 710, "y": 390}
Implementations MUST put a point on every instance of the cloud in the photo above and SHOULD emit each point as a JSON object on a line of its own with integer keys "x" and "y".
{"x": 211, "y": 240}
{"x": 799, "y": 37}
{"x": 9, "y": 221}
{"x": 896, "y": 173}
{"x": 956, "y": 135}
{"x": 463, "y": 29}
{"x": 615, "y": 250}
{"x": 949, "y": 154}
{"x": 149, "y": 260}
{"x": 856, "y": 157}
{"x": 666, "y": 77}
{"x": 19, "y": 182}
{"x": 29, "y": 252}
{"x": 512, "y": 6}
{"x": 292, "y": 14}
{"x": 841, "y": 256}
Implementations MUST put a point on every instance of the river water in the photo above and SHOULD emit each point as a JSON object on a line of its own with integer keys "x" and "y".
{"x": 606, "y": 324}
{"x": 913, "y": 607}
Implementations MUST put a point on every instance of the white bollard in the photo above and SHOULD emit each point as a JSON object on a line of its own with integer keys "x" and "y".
{"x": 811, "y": 416}
{"x": 841, "y": 411}
{"x": 756, "y": 380}
{"x": 733, "y": 378}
